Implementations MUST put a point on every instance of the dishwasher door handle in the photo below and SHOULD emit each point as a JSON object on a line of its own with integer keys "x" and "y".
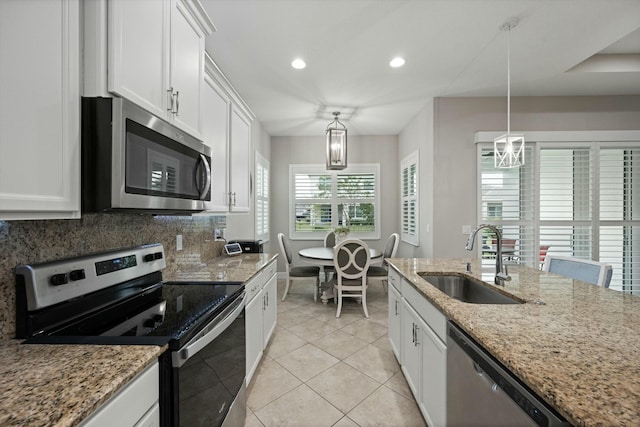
{"x": 486, "y": 378}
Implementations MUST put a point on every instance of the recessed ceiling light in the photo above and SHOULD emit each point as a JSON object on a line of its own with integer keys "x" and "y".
{"x": 397, "y": 62}
{"x": 298, "y": 64}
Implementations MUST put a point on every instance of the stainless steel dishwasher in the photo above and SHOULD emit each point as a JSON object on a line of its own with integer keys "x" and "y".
{"x": 481, "y": 392}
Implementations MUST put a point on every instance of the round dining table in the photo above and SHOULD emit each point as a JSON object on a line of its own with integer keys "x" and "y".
{"x": 323, "y": 257}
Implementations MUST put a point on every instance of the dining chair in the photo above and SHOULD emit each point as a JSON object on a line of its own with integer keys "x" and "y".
{"x": 297, "y": 273}
{"x": 351, "y": 259}
{"x": 543, "y": 254}
{"x": 329, "y": 242}
{"x": 377, "y": 272}
{"x": 594, "y": 272}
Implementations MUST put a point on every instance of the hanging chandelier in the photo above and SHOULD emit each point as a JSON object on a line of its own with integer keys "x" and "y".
{"x": 336, "y": 143}
{"x": 508, "y": 149}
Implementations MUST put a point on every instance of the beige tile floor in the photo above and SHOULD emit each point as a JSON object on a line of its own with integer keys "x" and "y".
{"x": 319, "y": 370}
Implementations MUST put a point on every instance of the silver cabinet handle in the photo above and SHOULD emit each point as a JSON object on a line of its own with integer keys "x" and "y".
{"x": 177, "y": 103}
{"x": 170, "y": 94}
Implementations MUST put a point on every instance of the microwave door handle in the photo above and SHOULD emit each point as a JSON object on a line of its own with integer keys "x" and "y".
{"x": 207, "y": 183}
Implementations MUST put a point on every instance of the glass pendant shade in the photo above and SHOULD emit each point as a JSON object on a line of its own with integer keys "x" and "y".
{"x": 336, "y": 144}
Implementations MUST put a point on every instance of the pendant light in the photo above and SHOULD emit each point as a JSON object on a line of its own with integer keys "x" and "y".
{"x": 508, "y": 149}
{"x": 336, "y": 144}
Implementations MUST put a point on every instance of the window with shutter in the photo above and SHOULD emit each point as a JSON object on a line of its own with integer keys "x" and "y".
{"x": 262, "y": 198}
{"x": 576, "y": 198}
{"x": 322, "y": 200}
{"x": 409, "y": 202}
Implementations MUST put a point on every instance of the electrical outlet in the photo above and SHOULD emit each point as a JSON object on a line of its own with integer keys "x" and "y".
{"x": 179, "y": 242}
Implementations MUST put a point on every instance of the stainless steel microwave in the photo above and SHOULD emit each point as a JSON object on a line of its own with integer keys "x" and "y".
{"x": 134, "y": 161}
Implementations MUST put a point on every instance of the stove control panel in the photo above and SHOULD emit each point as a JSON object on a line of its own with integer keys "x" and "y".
{"x": 53, "y": 282}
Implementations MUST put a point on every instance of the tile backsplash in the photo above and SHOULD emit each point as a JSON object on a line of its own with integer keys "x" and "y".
{"x": 31, "y": 242}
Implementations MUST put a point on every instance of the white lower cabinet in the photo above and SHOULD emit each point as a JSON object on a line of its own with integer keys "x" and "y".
{"x": 260, "y": 315}
{"x": 412, "y": 326}
{"x": 136, "y": 405}
{"x": 417, "y": 329}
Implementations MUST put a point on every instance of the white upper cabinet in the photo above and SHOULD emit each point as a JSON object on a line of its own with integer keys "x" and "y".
{"x": 226, "y": 128}
{"x": 156, "y": 57}
{"x": 239, "y": 174}
{"x": 40, "y": 109}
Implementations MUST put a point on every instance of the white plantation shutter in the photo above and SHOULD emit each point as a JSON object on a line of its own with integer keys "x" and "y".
{"x": 409, "y": 199}
{"x": 620, "y": 216}
{"x": 580, "y": 199}
{"x": 566, "y": 206}
{"x": 321, "y": 200}
{"x": 262, "y": 198}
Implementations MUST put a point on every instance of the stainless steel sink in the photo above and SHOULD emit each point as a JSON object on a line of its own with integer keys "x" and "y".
{"x": 467, "y": 289}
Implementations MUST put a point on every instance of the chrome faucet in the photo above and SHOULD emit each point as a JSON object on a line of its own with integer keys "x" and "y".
{"x": 501, "y": 276}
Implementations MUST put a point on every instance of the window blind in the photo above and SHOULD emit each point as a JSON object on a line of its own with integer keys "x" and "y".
{"x": 570, "y": 199}
{"x": 322, "y": 200}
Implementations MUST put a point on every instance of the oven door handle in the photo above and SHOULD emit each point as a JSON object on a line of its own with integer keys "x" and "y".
{"x": 210, "y": 332}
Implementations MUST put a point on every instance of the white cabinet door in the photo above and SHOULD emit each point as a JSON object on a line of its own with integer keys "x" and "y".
{"x": 434, "y": 378}
{"x": 215, "y": 131}
{"x": 411, "y": 349}
{"x": 270, "y": 308}
{"x": 253, "y": 327}
{"x": 187, "y": 68}
{"x": 40, "y": 109}
{"x": 395, "y": 323}
{"x": 138, "y": 63}
{"x": 156, "y": 58}
{"x": 239, "y": 162}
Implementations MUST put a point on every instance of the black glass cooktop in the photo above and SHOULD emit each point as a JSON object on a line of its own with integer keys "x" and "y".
{"x": 164, "y": 313}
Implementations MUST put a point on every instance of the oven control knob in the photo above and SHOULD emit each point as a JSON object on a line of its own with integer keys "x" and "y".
{"x": 77, "y": 275}
{"x": 148, "y": 258}
{"x": 59, "y": 279}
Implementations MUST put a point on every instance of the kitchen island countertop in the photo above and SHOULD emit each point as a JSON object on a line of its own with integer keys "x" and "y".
{"x": 579, "y": 351}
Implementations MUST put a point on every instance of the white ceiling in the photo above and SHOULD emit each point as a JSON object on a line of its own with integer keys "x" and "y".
{"x": 452, "y": 48}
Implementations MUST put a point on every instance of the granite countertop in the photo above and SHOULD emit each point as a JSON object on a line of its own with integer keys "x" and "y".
{"x": 60, "y": 385}
{"x": 580, "y": 351}
{"x": 198, "y": 267}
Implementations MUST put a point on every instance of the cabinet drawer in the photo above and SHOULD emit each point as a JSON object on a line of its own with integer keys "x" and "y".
{"x": 431, "y": 315}
{"x": 269, "y": 271}
{"x": 253, "y": 286}
{"x": 131, "y": 404}
{"x": 394, "y": 278}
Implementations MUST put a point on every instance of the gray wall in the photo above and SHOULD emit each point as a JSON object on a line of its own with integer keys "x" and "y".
{"x": 418, "y": 135}
{"x": 446, "y": 131}
{"x": 311, "y": 150}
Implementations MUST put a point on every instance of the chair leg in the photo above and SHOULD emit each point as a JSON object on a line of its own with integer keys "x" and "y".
{"x": 286, "y": 289}
{"x": 385, "y": 285}
{"x": 364, "y": 304}
{"x": 339, "y": 305}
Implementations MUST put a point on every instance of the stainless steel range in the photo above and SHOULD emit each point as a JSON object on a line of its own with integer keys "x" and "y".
{"x": 118, "y": 297}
